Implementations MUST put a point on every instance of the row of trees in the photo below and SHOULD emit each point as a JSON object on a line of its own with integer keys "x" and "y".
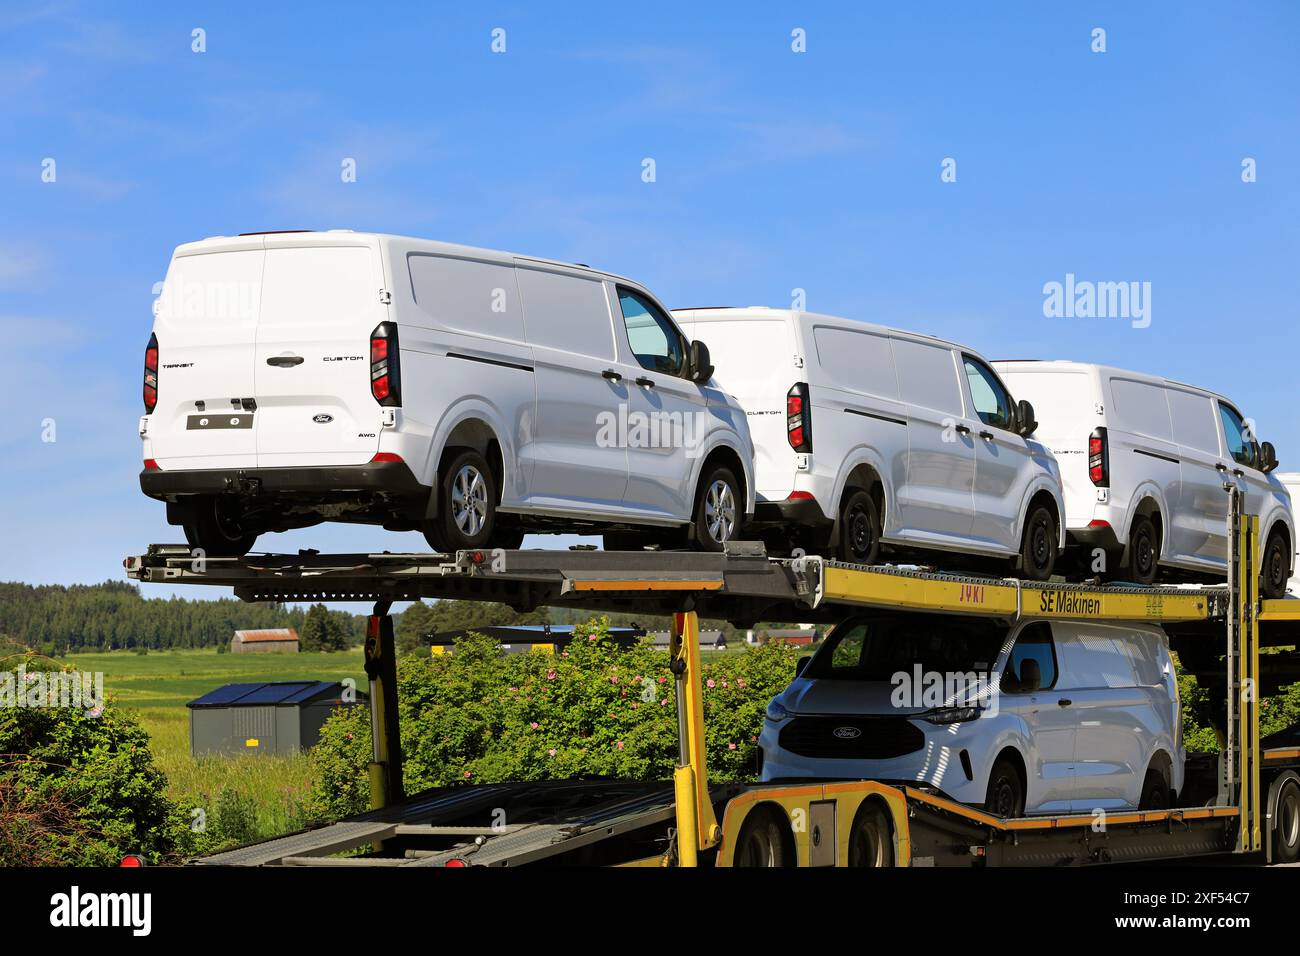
{"x": 54, "y": 619}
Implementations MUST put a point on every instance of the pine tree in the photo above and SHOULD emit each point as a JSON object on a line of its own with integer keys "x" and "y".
{"x": 315, "y": 628}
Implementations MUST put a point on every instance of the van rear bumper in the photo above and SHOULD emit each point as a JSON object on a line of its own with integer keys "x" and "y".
{"x": 787, "y": 511}
{"x": 393, "y": 478}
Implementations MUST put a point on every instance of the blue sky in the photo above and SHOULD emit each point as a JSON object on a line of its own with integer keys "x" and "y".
{"x": 775, "y": 170}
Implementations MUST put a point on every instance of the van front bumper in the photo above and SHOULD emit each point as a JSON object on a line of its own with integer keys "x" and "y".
{"x": 392, "y": 478}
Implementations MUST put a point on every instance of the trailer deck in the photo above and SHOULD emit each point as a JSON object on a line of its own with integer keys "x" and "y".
{"x": 1217, "y": 631}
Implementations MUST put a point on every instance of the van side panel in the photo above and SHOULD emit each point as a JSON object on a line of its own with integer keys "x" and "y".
{"x": 855, "y": 396}
{"x": 466, "y": 363}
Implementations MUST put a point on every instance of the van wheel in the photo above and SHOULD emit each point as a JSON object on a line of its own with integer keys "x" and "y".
{"x": 717, "y": 510}
{"x": 1143, "y": 552}
{"x": 1286, "y": 824}
{"x": 1038, "y": 546}
{"x": 467, "y": 504}
{"x": 1006, "y": 794}
{"x": 1276, "y": 567}
{"x": 871, "y": 842}
{"x": 762, "y": 840}
{"x": 1155, "y": 792}
{"x": 859, "y": 529}
{"x": 214, "y": 526}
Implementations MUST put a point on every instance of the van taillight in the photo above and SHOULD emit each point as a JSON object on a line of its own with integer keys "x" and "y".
{"x": 151, "y": 374}
{"x": 385, "y": 365}
{"x": 798, "y": 417}
{"x": 1099, "y": 458}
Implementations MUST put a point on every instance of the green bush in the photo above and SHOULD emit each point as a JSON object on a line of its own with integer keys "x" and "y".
{"x": 82, "y": 790}
{"x": 595, "y": 709}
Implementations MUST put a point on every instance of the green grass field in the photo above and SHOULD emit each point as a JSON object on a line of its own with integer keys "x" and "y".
{"x": 157, "y": 686}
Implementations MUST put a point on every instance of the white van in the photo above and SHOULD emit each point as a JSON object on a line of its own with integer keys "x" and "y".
{"x": 470, "y": 394}
{"x": 1144, "y": 461}
{"x": 1036, "y": 717}
{"x": 866, "y": 436}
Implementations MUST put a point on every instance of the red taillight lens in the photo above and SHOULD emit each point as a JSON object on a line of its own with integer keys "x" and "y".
{"x": 798, "y": 417}
{"x": 151, "y": 465}
{"x": 151, "y": 374}
{"x": 1099, "y": 459}
{"x": 132, "y": 860}
{"x": 385, "y": 456}
{"x": 385, "y": 365}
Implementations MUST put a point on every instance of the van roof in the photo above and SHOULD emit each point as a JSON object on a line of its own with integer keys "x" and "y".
{"x": 765, "y": 313}
{"x": 281, "y": 238}
{"x": 1108, "y": 370}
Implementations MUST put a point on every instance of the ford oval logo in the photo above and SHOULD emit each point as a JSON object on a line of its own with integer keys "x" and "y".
{"x": 847, "y": 733}
{"x": 323, "y": 419}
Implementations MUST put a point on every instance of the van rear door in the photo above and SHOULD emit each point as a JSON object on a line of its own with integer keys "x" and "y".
{"x": 311, "y": 369}
{"x": 206, "y": 325}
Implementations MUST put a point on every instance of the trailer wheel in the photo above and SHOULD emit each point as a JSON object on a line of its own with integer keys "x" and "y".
{"x": 1286, "y": 824}
{"x": 1006, "y": 794}
{"x": 1143, "y": 552}
{"x": 871, "y": 841}
{"x": 1038, "y": 545}
{"x": 764, "y": 840}
{"x": 1155, "y": 792}
{"x": 859, "y": 529}
{"x": 1276, "y": 564}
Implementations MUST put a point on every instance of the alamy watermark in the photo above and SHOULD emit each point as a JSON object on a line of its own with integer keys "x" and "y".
{"x": 627, "y": 428}
{"x": 81, "y": 690}
{"x": 1084, "y": 299}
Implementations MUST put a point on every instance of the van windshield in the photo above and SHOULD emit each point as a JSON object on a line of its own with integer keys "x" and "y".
{"x": 877, "y": 649}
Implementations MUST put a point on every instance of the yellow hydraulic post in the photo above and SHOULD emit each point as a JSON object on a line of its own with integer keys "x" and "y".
{"x": 1246, "y": 691}
{"x": 386, "y": 748}
{"x": 697, "y": 826}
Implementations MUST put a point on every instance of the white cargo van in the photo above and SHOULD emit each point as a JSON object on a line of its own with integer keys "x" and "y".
{"x": 1036, "y": 717}
{"x": 294, "y": 378}
{"x": 1144, "y": 461}
{"x": 866, "y": 436}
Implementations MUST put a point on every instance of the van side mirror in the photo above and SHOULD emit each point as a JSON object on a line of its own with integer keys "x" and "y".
{"x": 699, "y": 368}
{"x": 1026, "y": 423}
{"x": 801, "y": 665}
{"x": 1268, "y": 457}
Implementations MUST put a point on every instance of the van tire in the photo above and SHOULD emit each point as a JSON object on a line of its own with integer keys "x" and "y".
{"x": 1038, "y": 545}
{"x": 871, "y": 840}
{"x": 212, "y": 527}
{"x": 1142, "y": 561}
{"x": 718, "y": 509}
{"x": 1276, "y": 566}
{"x": 1005, "y": 796}
{"x": 1155, "y": 791}
{"x": 859, "y": 537}
{"x": 467, "y": 505}
{"x": 1286, "y": 824}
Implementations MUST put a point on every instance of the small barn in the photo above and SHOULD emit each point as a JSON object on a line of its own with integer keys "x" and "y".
{"x": 279, "y": 717}
{"x": 272, "y": 640}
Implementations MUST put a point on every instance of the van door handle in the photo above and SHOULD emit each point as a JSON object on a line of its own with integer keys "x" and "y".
{"x": 1064, "y": 702}
{"x": 1221, "y": 467}
{"x": 986, "y": 435}
{"x": 647, "y": 382}
{"x": 285, "y": 361}
{"x": 610, "y": 374}
{"x": 963, "y": 430}
{"x": 1239, "y": 473}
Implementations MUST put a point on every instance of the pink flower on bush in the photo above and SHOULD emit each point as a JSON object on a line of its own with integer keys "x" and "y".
{"x": 663, "y": 680}
{"x": 663, "y": 702}
{"x": 591, "y": 637}
{"x": 710, "y": 683}
{"x": 613, "y": 679}
{"x": 533, "y": 725}
{"x": 740, "y": 683}
{"x": 725, "y": 684}
{"x": 551, "y": 751}
{"x": 550, "y": 675}
{"x": 731, "y": 746}
{"x": 619, "y": 744}
{"x": 564, "y": 653}
{"x": 468, "y": 774}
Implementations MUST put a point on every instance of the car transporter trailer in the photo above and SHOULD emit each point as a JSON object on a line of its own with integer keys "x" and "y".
{"x": 1250, "y": 799}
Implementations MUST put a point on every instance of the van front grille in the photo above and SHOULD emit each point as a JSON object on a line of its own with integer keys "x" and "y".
{"x": 851, "y": 738}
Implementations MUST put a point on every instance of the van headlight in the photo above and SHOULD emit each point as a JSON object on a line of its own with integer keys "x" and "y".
{"x": 951, "y": 715}
{"x": 776, "y": 712}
